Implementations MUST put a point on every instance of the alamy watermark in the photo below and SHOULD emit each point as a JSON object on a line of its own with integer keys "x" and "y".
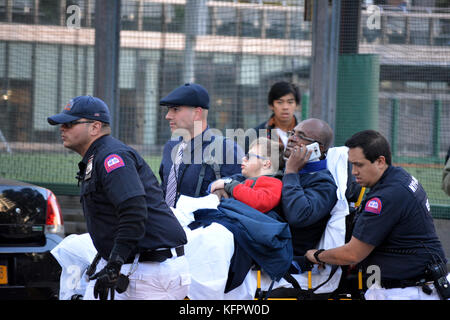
{"x": 220, "y": 148}
{"x": 74, "y": 19}
{"x": 374, "y": 19}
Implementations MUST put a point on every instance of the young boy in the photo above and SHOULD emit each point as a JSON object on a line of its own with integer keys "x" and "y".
{"x": 256, "y": 186}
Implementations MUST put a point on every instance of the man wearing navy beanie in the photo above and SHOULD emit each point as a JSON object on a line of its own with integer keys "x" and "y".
{"x": 195, "y": 156}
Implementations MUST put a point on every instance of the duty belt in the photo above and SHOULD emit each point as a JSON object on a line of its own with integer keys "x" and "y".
{"x": 158, "y": 255}
{"x": 420, "y": 282}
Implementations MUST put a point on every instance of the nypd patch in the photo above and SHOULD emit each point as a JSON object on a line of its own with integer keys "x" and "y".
{"x": 373, "y": 205}
{"x": 113, "y": 162}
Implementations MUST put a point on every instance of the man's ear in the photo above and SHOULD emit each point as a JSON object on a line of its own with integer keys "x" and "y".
{"x": 381, "y": 161}
{"x": 198, "y": 116}
{"x": 96, "y": 128}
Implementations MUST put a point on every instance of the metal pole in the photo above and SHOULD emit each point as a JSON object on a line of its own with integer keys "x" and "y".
{"x": 107, "y": 48}
{"x": 319, "y": 61}
{"x": 194, "y": 25}
{"x": 395, "y": 126}
{"x": 437, "y": 128}
{"x": 324, "y": 66}
{"x": 333, "y": 58}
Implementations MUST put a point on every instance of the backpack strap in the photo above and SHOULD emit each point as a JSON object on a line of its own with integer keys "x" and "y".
{"x": 210, "y": 161}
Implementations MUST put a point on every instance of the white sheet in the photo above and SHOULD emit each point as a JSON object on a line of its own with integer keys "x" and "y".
{"x": 74, "y": 253}
{"x": 375, "y": 292}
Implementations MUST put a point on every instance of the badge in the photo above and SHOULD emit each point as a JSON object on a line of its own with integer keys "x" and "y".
{"x": 373, "y": 205}
{"x": 113, "y": 162}
{"x": 68, "y": 106}
{"x": 88, "y": 173}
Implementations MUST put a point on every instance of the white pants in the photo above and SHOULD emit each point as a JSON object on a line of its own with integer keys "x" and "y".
{"x": 168, "y": 280}
{"x": 375, "y": 292}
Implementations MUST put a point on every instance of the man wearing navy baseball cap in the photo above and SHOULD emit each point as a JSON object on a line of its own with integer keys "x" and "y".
{"x": 183, "y": 169}
{"x": 126, "y": 215}
{"x": 76, "y": 119}
{"x": 82, "y": 107}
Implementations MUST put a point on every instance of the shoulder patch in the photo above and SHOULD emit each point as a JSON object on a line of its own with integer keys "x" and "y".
{"x": 414, "y": 184}
{"x": 373, "y": 205}
{"x": 113, "y": 162}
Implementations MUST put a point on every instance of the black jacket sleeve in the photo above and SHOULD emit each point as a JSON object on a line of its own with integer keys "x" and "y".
{"x": 132, "y": 215}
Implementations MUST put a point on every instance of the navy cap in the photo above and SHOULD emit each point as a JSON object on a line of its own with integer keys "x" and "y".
{"x": 190, "y": 94}
{"x": 86, "y": 107}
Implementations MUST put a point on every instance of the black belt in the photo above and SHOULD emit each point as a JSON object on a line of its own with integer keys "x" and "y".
{"x": 158, "y": 255}
{"x": 394, "y": 283}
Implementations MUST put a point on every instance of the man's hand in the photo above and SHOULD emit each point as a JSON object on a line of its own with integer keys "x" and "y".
{"x": 221, "y": 193}
{"x": 106, "y": 280}
{"x": 298, "y": 159}
{"x": 218, "y": 184}
{"x": 310, "y": 256}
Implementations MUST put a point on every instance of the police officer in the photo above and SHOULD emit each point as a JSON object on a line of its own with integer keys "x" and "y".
{"x": 395, "y": 230}
{"x": 196, "y": 156}
{"x": 132, "y": 228}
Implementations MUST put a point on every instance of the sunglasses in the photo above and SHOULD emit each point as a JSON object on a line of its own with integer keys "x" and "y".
{"x": 302, "y": 137}
{"x": 69, "y": 125}
{"x": 249, "y": 155}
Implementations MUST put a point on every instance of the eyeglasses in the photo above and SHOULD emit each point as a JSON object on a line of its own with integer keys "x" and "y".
{"x": 69, "y": 125}
{"x": 302, "y": 137}
{"x": 249, "y": 155}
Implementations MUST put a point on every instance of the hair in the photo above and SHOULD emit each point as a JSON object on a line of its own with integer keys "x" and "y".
{"x": 373, "y": 145}
{"x": 106, "y": 128}
{"x": 270, "y": 149}
{"x": 281, "y": 89}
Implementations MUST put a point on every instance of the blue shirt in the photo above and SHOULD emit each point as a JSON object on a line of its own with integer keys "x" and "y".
{"x": 111, "y": 174}
{"x": 396, "y": 219}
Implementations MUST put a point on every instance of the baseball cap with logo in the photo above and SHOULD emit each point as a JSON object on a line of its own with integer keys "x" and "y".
{"x": 86, "y": 107}
{"x": 190, "y": 94}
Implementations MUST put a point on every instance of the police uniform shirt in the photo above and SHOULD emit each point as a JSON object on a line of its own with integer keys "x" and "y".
{"x": 113, "y": 174}
{"x": 396, "y": 219}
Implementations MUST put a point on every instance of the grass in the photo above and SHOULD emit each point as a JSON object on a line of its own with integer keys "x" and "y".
{"x": 49, "y": 168}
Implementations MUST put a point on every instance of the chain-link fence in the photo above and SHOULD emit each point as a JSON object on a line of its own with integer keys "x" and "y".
{"x": 237, "y": 50}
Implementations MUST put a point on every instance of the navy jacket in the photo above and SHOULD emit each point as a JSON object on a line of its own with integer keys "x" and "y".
{"x": 307, "y": 199}
{"x": 396, "y": 219}
{"x": 199, "y": 149}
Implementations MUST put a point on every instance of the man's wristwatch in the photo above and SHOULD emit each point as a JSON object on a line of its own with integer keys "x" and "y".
{"x": 316, "y": 255}
{"x": 226, "y": 180}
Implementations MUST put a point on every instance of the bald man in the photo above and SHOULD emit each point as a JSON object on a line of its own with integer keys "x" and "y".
{"x": 309, "y": 190}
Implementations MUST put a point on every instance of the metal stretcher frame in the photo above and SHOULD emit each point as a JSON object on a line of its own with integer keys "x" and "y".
{"x": 309, "y": 292}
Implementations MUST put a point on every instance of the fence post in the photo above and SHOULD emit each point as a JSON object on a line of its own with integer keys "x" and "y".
{"x": 436, "y": 128}
{"x": 305, "y": 106}
{"x": 107, "y": 48}
{"x": 394, "y": 126}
